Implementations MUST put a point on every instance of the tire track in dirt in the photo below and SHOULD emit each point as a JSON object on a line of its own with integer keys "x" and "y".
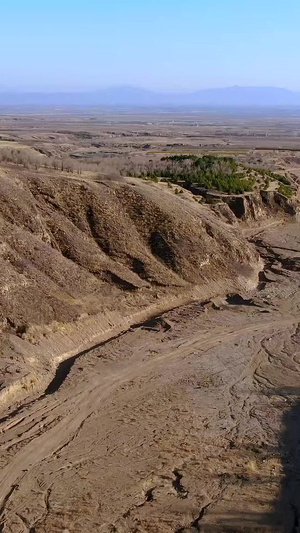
{"x": 76, "y": 412}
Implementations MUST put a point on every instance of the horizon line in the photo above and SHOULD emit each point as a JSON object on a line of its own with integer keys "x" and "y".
{"x": 4, "y": 90}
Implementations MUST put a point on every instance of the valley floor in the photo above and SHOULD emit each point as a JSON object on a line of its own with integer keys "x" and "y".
{"x": 190, "y": 422}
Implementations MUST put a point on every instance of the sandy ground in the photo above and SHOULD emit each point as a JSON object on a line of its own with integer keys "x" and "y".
{"x": 187, "y": 423}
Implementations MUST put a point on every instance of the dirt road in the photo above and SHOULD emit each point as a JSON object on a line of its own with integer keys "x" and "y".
{"x": 187, "y": 423}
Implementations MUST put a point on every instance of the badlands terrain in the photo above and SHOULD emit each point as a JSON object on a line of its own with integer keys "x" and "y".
{"x": 150, "y": 338}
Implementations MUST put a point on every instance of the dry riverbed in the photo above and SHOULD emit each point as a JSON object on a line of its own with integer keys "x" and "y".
{"x": 190, "y": 422}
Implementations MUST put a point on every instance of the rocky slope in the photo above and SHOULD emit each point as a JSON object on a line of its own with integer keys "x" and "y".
{"x": 254, "y": 206}
{"x": 259, "y": 204}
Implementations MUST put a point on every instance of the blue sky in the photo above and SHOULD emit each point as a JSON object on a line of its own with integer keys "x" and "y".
{"x": 157, "y": 44}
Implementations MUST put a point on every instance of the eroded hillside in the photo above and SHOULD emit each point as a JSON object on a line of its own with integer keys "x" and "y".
{"x": 197, "y": 407}
{"x": 82, "y": 258}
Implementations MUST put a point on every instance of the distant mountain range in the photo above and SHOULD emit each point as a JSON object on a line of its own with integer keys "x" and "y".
{"x": 134, "y": 97}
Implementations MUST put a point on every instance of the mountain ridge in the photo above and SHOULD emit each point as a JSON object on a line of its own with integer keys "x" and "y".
{"x": 235, "y": 96}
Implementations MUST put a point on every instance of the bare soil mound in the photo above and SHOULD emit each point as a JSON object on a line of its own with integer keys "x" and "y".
{"x": 69, "y": 247}
{"x": 78, "y": 257}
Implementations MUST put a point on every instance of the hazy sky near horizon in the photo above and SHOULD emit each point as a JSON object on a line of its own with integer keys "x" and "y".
{"x": 169, "y": 45}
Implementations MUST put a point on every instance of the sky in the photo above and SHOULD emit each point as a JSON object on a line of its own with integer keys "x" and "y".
{"x": 162, "y": 45}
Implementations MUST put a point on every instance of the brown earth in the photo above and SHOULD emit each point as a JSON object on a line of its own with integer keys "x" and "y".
{"x": 83, "y": 260}
{"x": 186, "y": 423}
{"x": 149, "y": 343}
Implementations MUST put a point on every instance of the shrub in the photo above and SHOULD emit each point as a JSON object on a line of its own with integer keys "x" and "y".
{"x": 284, "y": 180}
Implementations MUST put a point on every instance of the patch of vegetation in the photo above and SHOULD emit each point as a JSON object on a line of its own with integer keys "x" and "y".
{"x": 209, "y": 171}
{"x": 286, "y": 191}
{"x": 273, "y": 175}
{"x": 284, "y": 180}
{"x": 179, "y": 158}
